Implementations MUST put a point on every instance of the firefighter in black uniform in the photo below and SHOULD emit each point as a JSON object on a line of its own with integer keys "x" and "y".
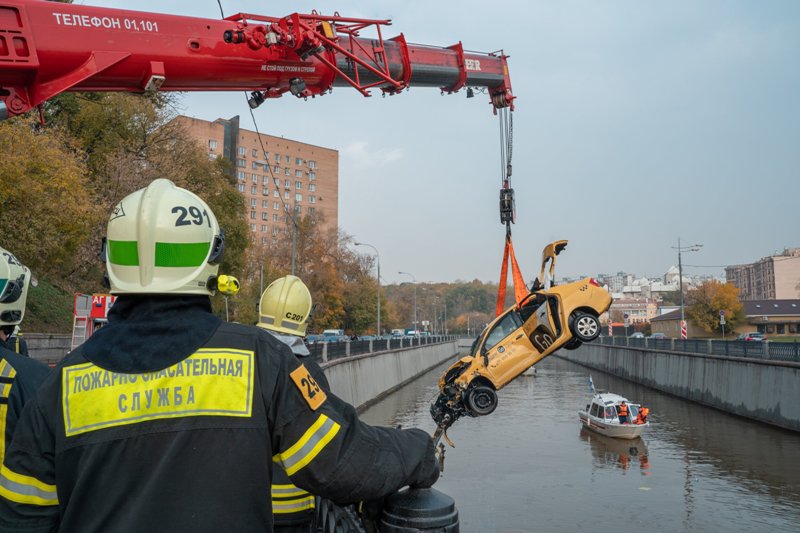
{"x": 168, "y": 419}
{"x": 284, "y": 311}
{"x": 19, "y": 376}
{"x": 11, "y": 339}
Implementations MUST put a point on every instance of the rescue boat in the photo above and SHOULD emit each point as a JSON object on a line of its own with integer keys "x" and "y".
{"x": 601, "y": 416}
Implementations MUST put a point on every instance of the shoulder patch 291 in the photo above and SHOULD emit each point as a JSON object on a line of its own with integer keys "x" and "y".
{"x": 311, "y": 391}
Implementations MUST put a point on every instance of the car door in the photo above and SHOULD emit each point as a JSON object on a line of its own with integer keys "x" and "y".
{"x": 507, "y": 350}
{"x": 543, "y": 326}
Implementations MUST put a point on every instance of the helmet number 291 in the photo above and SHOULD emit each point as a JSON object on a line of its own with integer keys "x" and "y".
{"x": 194, "y": 212}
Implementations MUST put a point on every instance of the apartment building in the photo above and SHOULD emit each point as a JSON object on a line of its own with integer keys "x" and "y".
{"x": 770, "y": 278}
{"x": 639, "y": 310}
{"x": 276, "y": 176}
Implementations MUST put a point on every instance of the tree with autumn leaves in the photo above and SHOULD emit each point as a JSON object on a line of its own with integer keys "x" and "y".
{"x": 58, "y": 182}
{"x": 705, "y": 302}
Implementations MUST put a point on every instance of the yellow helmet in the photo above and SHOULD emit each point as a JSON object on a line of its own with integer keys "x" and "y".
{"x": 163, "y": 239}
{"x": 14, "y": 281}
{"x": 285, "y": 306}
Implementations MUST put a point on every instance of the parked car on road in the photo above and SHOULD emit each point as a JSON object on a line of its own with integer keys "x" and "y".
{"x": 751, "y": 336}
{"x": 657, "y": 335}
{"x": 313, "y": 339}
{"x": 637, "y": 335}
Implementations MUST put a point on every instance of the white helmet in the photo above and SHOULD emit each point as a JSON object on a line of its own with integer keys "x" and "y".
{"x": 285, "y": 306}
{"x": 14, "y": 281}
{"x": 163, "y": 239}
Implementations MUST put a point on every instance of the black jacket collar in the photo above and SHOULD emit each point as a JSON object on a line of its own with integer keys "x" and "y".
{"x": 146, "y": 333}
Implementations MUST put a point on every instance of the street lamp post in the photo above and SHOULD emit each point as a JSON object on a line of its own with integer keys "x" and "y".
{"x": 415, "y": 298}
{"x": 378, "y": 261}
{"x": 691, "y": 248}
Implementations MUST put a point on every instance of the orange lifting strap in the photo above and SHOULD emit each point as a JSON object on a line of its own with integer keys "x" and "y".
{"x": 520, "y": 290}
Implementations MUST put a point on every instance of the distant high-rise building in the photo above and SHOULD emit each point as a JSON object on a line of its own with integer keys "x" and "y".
{"x": 770, "y": 278}
{"x": 275, "y": 175}
{"x": 616, "y": 281}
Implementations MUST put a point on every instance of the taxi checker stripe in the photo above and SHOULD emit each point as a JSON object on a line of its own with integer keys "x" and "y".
{"x": 26, "y": 489}
{"x": 293, "y": 506}
{"x": 284, "y": 491}
{"x": 310, "y": 444}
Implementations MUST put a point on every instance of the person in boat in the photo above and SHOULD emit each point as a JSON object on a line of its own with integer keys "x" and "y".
{"x": 622, "y": 413}
{"x": 641, "y": 418}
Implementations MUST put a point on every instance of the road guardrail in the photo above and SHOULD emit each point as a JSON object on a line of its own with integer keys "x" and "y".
{"x": 768, "y": 350}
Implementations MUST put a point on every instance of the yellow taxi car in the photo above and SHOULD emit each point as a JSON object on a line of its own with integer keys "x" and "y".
{"x": 550, "y": 317}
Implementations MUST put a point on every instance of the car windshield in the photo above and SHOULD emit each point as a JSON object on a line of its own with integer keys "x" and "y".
{"x": 502, "y": 329}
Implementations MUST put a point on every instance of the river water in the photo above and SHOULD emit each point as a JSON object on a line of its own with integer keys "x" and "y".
{"x": 529, "y": 466}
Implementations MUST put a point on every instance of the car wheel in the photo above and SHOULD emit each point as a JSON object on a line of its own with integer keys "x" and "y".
{"x": 481, "y": 400}
{"x": 573, "y": 344}
{"x": 585, "y": 327}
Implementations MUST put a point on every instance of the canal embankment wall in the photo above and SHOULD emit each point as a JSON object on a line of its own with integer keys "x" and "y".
{"x": 362, "y": 380}
{"x": 768, "y": 391}
{"x": 358, "y": 379}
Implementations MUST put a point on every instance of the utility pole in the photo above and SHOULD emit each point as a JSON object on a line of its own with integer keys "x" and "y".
{"x": 445, "y": 315}
{"x": 378, "y": 261}
{"x": 691, "y": 248}
{"x": 294, "y": 232}
{"x": 415, "y": 298}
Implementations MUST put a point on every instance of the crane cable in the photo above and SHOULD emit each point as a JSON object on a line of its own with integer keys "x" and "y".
{"x": 508, "y": 214}
{"x": 268, "y": 166}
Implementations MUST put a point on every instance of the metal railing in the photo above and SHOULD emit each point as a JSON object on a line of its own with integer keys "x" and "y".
{"x": 773, "y": 351}
{"x": 328, "y": 351}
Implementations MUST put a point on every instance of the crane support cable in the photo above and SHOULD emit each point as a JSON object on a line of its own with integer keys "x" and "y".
{"x": 508, "y": 213}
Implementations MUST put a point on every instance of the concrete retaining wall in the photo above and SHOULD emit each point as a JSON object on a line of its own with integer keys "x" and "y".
{"x": 360, "y": 380}
{"x": 365, "y": 379}
{"x": 46, "y": 347}
{"x": 768, "y": 391}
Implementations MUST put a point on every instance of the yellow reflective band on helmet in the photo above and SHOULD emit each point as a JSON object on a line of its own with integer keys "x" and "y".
{"x": 125, "y": 253}
{"x": 308, "y": 446}
{"x": 292, "y": 506}
{"x": 210, "y": 382}
{"x": 26, "y": 489}
{"x": 168, "y": 254}
{"x": 181, "y": 254}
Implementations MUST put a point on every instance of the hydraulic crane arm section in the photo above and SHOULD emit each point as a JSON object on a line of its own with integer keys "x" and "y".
{"x": 47, "y": 48}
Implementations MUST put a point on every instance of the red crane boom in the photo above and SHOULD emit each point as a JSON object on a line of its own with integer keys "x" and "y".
{"x": 47, "y": 48}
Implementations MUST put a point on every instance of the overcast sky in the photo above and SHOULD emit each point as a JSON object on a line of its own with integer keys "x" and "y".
{"x": 636, "y": 123}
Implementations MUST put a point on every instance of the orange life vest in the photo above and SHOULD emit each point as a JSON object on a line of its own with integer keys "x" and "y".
{"x": 622, "y": 410}
{"x": 644, "y": 411}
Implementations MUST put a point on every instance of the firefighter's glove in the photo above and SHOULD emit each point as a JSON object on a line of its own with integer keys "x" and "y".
{"x": 431, "y": 477}
{"x": 370, "y": 512}
{"x": 427, "y": 472}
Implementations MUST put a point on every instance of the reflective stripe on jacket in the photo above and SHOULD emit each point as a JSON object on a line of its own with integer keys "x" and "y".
{"x": 189, "y": 445}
